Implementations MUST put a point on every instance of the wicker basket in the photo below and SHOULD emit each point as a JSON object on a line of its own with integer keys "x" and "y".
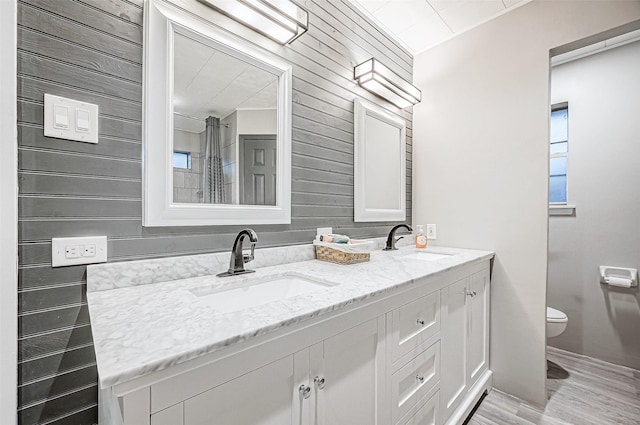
{"x": 326, "y": 253}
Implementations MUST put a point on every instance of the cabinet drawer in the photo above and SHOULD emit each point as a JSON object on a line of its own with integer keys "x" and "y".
{"x": 414, "y": 380}
{"x": 427, "y": 413}
{"x": 414, "y": 324}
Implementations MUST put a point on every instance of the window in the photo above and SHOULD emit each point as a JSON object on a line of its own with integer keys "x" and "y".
{"x": 182, "y": 160}
{"x": 559, "y": 148}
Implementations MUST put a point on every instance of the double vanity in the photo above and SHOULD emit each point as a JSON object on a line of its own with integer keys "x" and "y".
{"x": 402, "y": 339}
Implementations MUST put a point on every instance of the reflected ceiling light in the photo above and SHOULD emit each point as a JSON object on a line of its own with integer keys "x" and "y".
{"x": 280, "y": 20}
{"x": 380, "y": 80}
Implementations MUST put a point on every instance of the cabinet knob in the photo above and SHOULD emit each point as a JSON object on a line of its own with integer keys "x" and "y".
{"x": 420, "y": 378}
{"x": 320, "y": 382}
{"x": 420, "y": 322}
{"x": 305, "y": 391}
{"x": 472, "y": 293}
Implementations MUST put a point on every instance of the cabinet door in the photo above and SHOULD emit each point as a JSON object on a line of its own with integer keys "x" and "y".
{"x": 174, "y": 415}
{"x": 266, "y": 396}
{"x": 478, "y": 326}
{"x": 453, "y": 345}
{"x": 352, "y": 366}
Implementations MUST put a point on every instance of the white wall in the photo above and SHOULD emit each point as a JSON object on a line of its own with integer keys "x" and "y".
{"x": 603, "y": 92}
{"x": 230, "y": 157}
{"x": 186, "y": 141}
{"x": 480, "y": 162}
{"x": 257, "y": 121}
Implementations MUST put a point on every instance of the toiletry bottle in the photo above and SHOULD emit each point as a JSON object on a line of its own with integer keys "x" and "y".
{"x": 420, "y": 238}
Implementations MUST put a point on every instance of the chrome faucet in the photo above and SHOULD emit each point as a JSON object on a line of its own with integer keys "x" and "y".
{"x": 238, "y": 258}
{"x": 391, "y": 239}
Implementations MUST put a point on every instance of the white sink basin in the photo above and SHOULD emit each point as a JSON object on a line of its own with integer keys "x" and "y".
{"x": 260, "y": 291}
{"x": 427, "y": 255}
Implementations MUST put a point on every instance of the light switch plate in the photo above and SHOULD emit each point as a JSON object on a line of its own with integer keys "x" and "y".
{"x": 60, "y": 117}
{"x": 81, "y": 119}
{"x": 82, "y": 250}
{"x": 431, "y": 231}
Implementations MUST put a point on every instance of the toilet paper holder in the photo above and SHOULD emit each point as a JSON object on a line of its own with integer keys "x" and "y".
{"x": 623, "y": 277}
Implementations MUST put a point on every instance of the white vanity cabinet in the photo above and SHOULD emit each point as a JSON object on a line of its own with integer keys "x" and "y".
{"x": 465, "y": 340}
{"x": 478, "y": 320}
{"x": 267, "y": 396}
{"x": 413, "y": 356}
{"x": 348, "y": 377}
{"x": 338, "y": 380}
{"x": 261, "y": 397}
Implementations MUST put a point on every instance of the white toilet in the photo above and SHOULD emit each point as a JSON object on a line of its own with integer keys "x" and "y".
{"x": 556, "y": 322}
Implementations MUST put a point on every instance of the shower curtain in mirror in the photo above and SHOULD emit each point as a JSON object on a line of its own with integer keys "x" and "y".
{"x": 212, "y": 177}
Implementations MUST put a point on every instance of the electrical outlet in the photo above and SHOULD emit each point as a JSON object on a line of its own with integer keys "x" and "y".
{"x": 73, "y": 251}
{"x": 89, "y": 250}
{"x": 431, "y": 231}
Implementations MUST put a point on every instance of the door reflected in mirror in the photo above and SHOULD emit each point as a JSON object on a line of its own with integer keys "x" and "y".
{"x": 225, "y": 127}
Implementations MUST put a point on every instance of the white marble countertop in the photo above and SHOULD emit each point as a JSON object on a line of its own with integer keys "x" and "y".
{"x": 142, "y": 329}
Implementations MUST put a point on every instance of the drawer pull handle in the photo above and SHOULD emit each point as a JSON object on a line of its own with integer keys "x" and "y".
{"x": 472, "y": 293}
{"x": 305, "y": 391}
{"x": 320, "y": 382}
{"x": 420, "y": 378}
{"x": 420, "y": 322}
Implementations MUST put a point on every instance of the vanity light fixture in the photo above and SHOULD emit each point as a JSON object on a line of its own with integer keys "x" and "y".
{"x": 280, "y": 20}
{"x": 380, "y": 80}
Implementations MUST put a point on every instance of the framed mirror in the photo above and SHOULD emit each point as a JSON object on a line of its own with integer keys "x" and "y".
{"x": 217, "y": 125}
{"x": 379, "y": 164}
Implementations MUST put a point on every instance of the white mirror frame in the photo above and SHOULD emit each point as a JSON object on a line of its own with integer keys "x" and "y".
{"x": 161, "y": 21}
{"x": 362, "y": 212}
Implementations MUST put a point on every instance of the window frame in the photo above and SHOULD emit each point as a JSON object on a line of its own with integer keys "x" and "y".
{"x": 188, "y": 154}
{"x": 558, "y": 107}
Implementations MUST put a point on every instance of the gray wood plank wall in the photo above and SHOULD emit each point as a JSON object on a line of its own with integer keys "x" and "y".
{"x": 91, "y": 50}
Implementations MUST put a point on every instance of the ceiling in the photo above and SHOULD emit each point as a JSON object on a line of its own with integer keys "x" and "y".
{"x": 208, "y": 82}
{"x": 420, "y": 24}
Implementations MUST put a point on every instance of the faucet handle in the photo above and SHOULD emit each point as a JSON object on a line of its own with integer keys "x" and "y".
{"x": 246, "y": 258}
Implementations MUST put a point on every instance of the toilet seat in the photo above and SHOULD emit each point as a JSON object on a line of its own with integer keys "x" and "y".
{"x": 556, "y": 316}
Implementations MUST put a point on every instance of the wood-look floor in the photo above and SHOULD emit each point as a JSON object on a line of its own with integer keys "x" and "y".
{"x": 581, "y": 391}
